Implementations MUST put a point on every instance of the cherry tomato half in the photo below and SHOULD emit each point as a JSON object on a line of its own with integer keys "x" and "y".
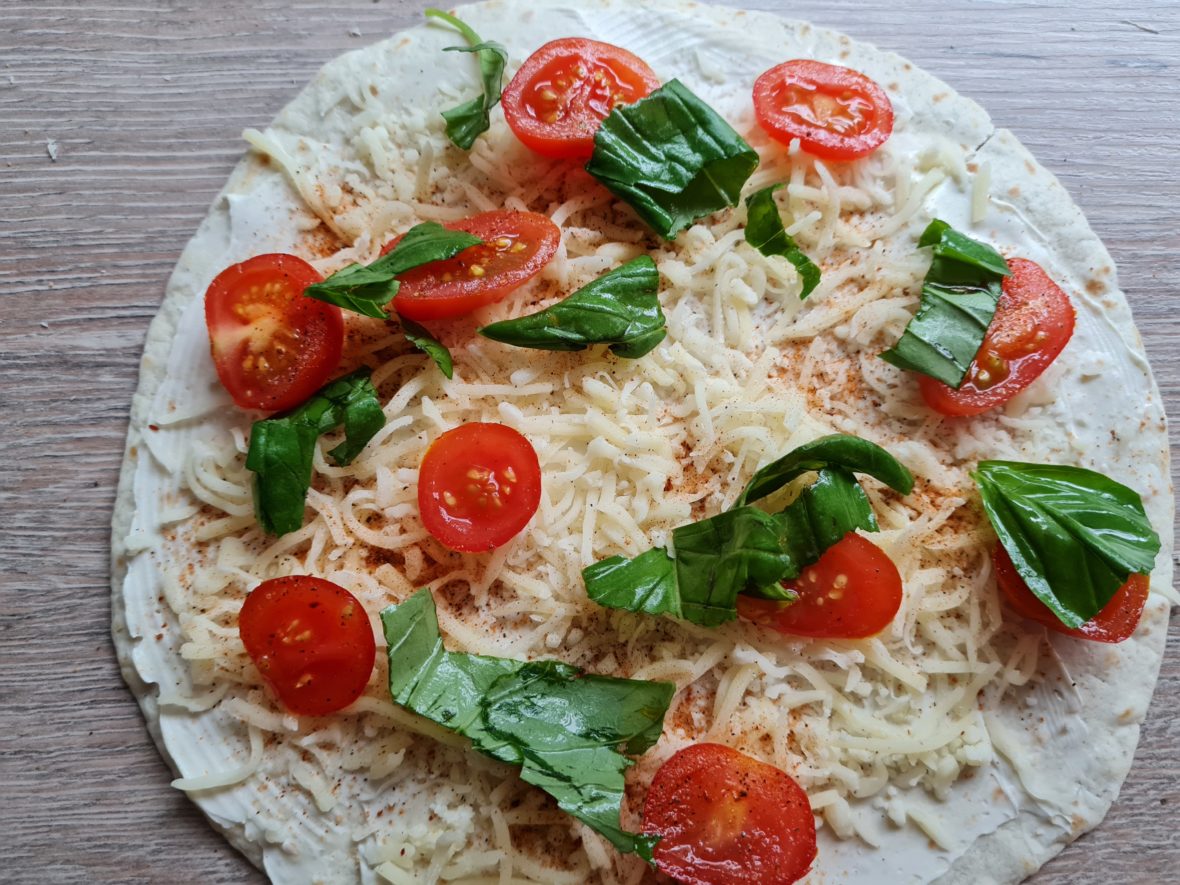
{"x": 273, "y": 348}
{"x": 516, "y": 245}
{"x": 836, "y": 113}
{"x": 1032, "y": 324}
{"x": 311, "y": 640}
{"x": 727, "y": 819}
{"x": 479, "y": 485}
{"x": 852, "y": 591}
{"x": 1116, "y": 622}
{"x": 564, "y": 91}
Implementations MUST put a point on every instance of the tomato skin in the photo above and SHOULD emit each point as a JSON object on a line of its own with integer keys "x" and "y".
{"x": 862, "y": 605}
{"x": 1033, "y": 322}
{"x": 516, "y": 246}
{"x": 836, "y": 113}
{"x": 725, "y": 818}
{"x": 272, "y": 347}
{"x": 562, "y": 93}
{"x": 1116, "y": 622}
{"x": 311, "y": 640}
{"x": 478, "y": 486}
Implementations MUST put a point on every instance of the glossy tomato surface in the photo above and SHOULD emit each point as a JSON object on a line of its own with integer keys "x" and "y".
{"x": 564, "y": 91}
{"x": 478, "y": 486}
{"x": 725, "y": 818}
{"x": 836, "y": 113}
{"x": 516, "y": 245}
{"x": 1033, "y": 322}
{"x": 852, "y": 591}
{"x": 272, "y": 346}
{"x": 311, "y": 640}
{"x": 1116, "y": 622}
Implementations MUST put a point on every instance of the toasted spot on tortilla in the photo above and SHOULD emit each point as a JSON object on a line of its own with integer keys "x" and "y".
{"x": 1014, "y": 191}
{"x": 1095, "y": 287}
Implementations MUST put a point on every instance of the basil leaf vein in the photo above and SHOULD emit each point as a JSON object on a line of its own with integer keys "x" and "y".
{"x": 745, "y": 549}
{"x": 1074, "y": 535}
{"x": 959, "y": 297}
{"x": 672, "y": 158}
{"x": 282, "y": 449}
{"x": 466, "y": 122}
{"x": 562, "y": 727}
{"x": 765, "y": 232}
{"x": 621, "y": 308}
{"x": 366, "y": 289}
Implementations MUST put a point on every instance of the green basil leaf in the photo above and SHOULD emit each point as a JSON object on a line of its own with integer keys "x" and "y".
{"x": 824, "y": 512}
{"x": 738, "y": 551}
{"x": 1074, "y": 535}
{"x": 620, "y": 308}
{"x": 672, "y": 158}
{"x": 746, "y": 550}
{"x": 366, "y": 289}
{"x": 959, "y": 297}
{"x": 644, "y": 584}
{"x": 835, "y": 450}
{"x": 469, "y": 120}
{"x": 281, "y": 449}
{"x": 568, "y": 731}
{"x": 421, "y": 338}
{"x": 563, "y": 728}
{"x": 765, "y": 232}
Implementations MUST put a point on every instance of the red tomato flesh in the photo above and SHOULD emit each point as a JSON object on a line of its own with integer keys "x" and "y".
{"x": 852, "y": 591}
{"x": 516, "y": 245}
{"x": 836, "y": 113}
{"x": 727, "y": 819}
{"x": 273, "y": 347}
{"x": 478, "y": 486}
{"x": 311, "y": 640}
{"x": 1033, "y": 322}
{"x": 564, "y": 91}
{"x": 1116, "y": 622}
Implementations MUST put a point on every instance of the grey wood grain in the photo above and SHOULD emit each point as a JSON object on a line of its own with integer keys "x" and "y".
{"x": 120, "y": 120}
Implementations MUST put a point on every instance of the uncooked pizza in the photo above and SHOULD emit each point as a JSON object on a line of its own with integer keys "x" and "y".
{"x": 585, "y": 446}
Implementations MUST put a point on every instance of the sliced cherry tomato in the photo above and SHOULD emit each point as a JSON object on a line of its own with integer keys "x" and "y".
{"x": 564, "y": 91}
{"x": 1116, "y": 622}
{"x": 479, "y": 485}
{"x": 311, "y": 640}
{"x": 727, "y": 819}
{"x": 852, "y": 591}
{"x": 516, "y": 245}
{"x": 836, "y": 113}
{"x": 273, "y": 348}
{"x": 1032, "y": 324}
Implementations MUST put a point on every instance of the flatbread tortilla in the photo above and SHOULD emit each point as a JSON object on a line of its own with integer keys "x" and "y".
{"x": 359, "y": 155}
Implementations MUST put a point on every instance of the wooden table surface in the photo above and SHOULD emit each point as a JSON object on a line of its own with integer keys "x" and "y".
{"x": 119, "y": 122}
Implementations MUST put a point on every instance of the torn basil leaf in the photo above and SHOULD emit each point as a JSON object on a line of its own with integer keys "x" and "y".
{"x": 421, "y": 338}
{"x": 765, "y": 232}
{"x": 835, "y": 450}
{"x": 745, "y": 549}
{"x": 959, "y": 297}
{"x": 366, "y": 289}
{"x": 562, "y": 727}
{"x": 672, "y": 158}
{"x": 468, "y": 121}
{"x": 1074, "y": 535}
{"x": 621, "y": 308}
{"x": 281, "y": 449}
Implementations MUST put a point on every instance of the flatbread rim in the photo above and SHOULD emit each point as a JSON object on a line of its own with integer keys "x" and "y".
{"x": 995, "y": 856}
